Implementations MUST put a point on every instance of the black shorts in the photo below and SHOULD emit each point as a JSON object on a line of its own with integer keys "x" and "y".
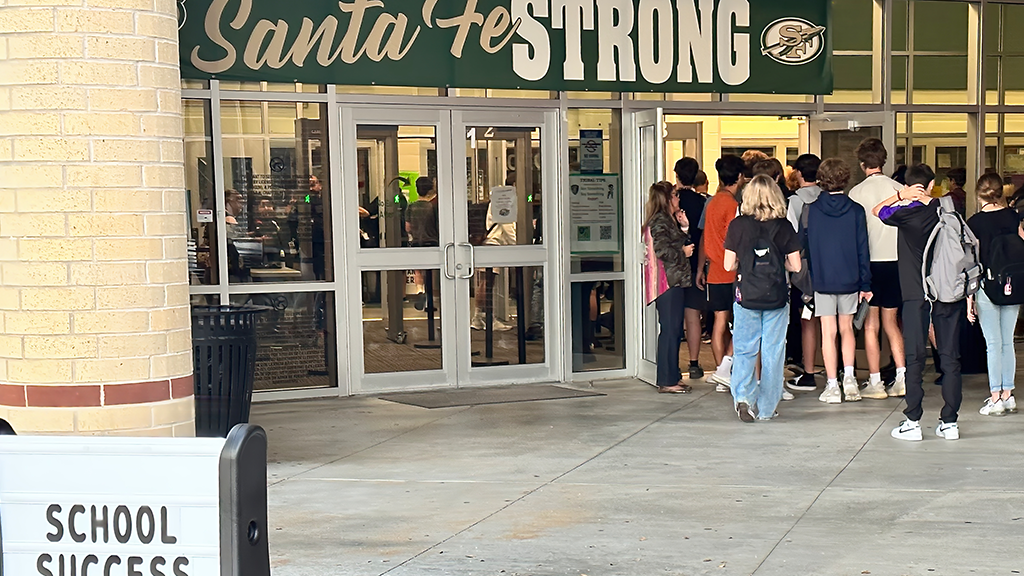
{"x": 885, "y": 285}
{"x": 720, "y": 297}
{"x": 695, "y": 298}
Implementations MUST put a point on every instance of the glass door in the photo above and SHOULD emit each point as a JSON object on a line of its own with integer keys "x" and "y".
{"x": 650, "y": 141}
{"x": 838, "y": 135}
{"x": 398, "y": 213}
{"x": 452, "y": 249}
{"x": 505, "y": 166}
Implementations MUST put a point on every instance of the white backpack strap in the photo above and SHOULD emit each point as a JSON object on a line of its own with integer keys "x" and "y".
{"x": 928, "y": 247}
{"x": 946, "y": 205}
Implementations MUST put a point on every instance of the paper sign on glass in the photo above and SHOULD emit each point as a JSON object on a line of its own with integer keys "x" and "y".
{"x": 503, "y": 205}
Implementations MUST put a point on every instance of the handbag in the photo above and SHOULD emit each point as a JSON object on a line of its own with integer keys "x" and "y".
{"x": 655, "y": 279}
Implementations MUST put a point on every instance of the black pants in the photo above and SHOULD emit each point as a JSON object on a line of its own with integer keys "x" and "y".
{"x": 947, "y": 319}
{"x": 670, "y": 316}
{"x": 794, "y": 332}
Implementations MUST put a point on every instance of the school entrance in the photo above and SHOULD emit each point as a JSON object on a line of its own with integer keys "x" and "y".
{"x": 663, "y": 136}
{"x": 451, "y": 219}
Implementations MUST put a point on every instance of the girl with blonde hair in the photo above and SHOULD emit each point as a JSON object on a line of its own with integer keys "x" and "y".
{"x": 762, "y": 245}
{"x": 666, "y": 274}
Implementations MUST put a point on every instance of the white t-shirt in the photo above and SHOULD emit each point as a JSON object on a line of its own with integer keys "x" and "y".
{"x": 881, "y": 238}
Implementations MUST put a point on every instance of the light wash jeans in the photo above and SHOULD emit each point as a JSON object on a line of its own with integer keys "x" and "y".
{"x": 997, "y": 323}
{"x": 761, "y": 331}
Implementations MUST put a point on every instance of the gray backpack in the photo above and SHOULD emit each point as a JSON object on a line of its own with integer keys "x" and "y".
{"x": 951, "y": 270}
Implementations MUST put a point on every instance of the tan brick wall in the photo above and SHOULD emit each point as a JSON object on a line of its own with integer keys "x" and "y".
{"x": 93, "y": 284}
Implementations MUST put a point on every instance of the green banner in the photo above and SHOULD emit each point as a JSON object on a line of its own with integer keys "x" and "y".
{"x": 753, "y": 46}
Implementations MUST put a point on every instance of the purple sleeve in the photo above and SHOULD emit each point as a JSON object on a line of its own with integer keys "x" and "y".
{"x": 887, "y": 212}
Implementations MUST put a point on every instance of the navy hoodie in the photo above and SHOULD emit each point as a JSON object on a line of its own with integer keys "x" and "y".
{"x": 837, "y": 240}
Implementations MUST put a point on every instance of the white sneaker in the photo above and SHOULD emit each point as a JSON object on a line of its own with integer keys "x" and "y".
{"x": 497, "y": 325}
{"x": 907, "y": 430}
{"x": 787, "y": 395}
{"x": 949, "y": 431}
{"x": 831, "y": 395}
{"x": 717, "y": 378}
{"x": 997, "y": 408}
{"x": 899, "y": 387}
{"x": 1010, "y": 404}
{"x": 723, "y": 383}
{"x": 851, "y": 390}
{"x": 500, "y": 326}
{"x": 874, "y": 391}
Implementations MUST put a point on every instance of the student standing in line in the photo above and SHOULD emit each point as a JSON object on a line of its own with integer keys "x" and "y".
{"x": 996, "y": 219}
{"x": 915, "y": 214}
{"x": 837, "y": 241}
{"x": 700, "y": 184}
{"x": 957, "y": 178}
{"x": 774, "y": 170}
{"x": 885, "y": 273}
{"x": 691, "y": 205}
{"x": 806, "y": 171}
{"x": 666, "y": 277}
{"x": 720, "y": 211}
{"x": 761, "y": 245}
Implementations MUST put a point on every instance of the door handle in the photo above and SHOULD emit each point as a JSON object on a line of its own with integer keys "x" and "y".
{"x": 472, "y": 261}
{"x": 447, "y": 271}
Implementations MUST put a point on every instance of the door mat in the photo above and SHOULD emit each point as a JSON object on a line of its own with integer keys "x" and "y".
{"x": 480, "y": 396}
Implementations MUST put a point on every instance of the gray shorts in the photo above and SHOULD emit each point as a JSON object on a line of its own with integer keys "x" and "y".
{"x": 835, "y": 304}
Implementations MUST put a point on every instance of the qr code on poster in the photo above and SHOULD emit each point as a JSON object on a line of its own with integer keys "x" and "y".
{"x": 606, "y": 232}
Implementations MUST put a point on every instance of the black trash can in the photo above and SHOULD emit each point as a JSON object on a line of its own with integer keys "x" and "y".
{"x": 224, "y": 356}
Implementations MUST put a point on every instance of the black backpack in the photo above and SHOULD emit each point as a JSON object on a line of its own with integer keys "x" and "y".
{"x": 761, "y": 283}
{"x": 1004, "y": 277}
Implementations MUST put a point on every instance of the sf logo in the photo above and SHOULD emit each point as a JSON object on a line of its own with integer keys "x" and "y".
{"x": 792, "y": 41}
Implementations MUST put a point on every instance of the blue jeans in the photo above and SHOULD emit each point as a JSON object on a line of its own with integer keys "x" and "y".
{"x": 670, "y": 317}
{"x": 997, "y": 323}
{"x": 761, "y": 331}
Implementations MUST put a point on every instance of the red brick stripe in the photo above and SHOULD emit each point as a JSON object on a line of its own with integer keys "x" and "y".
{"x": 12, "y": 395}
{"x": 22, "y": 395}
{"x": 63, "y": 396}
{"x": 182, "y": 387}
{"x": 138, "y": 393}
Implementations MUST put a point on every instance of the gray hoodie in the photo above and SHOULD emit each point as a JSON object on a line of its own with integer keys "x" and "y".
{"x": 803, "y": 197}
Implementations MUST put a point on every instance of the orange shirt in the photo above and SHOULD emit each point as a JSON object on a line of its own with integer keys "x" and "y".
{"x": 720, "y": 212}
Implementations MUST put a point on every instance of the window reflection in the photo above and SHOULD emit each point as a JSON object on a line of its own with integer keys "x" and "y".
{"x": 297, "y": 340}
{"x": 199, "y": 193}
{"x": 276, "y": 196}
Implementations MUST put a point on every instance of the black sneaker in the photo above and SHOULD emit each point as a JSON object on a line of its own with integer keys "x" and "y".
{"x": 696, "y": 372}
{"x": 803, "y": 383}
{"x": 744, "y": 412}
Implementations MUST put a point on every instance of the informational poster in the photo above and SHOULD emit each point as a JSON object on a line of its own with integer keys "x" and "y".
{"x": 594, "y": 212}
{"x": 591, "y": 151}
{"x": 504, "y": 205}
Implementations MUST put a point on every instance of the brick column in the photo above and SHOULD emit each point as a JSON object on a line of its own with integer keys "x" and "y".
{"x": 93, "y": 277}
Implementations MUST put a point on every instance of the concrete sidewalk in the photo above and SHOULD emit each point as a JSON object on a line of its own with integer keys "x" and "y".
{"x": 637, "y": 483}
